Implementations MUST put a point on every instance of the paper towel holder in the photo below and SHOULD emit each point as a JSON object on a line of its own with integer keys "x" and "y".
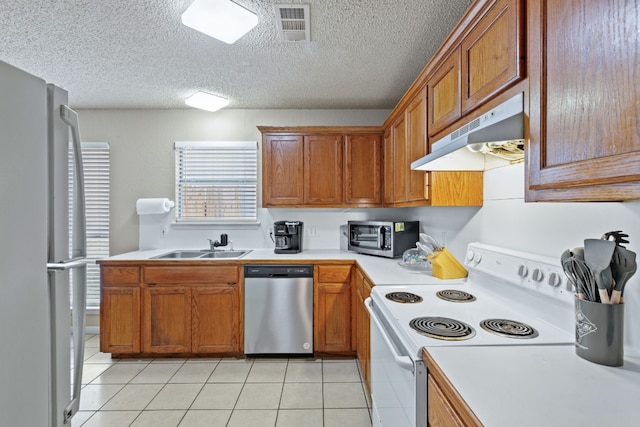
{"x": 154, "y": 206}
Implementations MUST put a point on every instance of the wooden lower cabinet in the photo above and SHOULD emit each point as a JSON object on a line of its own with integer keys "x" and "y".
{"x": 216, "y": 318}
{"x": 120, "y": 310}
{"x": 120, "y": 320}
{"x": 361, "y": 290}
{"x": 166, "y": 322}
{"x": 446, "y": 408}
{"x": 172, "y": 309}
{"x": 332, "y": 309}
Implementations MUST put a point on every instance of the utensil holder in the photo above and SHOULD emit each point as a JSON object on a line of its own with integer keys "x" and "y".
{"x": 600, "y": 332}
{"x": 445, "y": 266}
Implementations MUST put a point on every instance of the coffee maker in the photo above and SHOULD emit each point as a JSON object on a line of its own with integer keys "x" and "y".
{"x": 288, "y": 236}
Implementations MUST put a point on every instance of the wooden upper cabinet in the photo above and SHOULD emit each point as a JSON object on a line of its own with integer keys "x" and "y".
{"x": 362, "y": 170}
{"x": 400, "y": 166}
{"x": 584, "y": 143}
{"x": 282, "y": 170}
{"x": 487, "y": 60}
{"x": 416, "y": 116}
{"x": 388, "y": 167}
{"x": 444, "y": 93}
{"x": 492, "y": 53}
{"x": 323, "y": 165}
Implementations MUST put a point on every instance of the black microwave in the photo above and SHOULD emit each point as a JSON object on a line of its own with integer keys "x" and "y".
{"x": 382, "y": 238}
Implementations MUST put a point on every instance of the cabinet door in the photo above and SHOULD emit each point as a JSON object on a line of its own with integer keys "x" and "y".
{"x": 216, "y": 319}
{"x": 282, "y": 170}
{"x": 388, "y": 170}
{"x": 332, "y": 308}
{"x": 166, "y": 320}
{"x": 400, "y": 166}
{"x": 584, "y": 111}
{"x": 323, "y": 165}
{"x": 416, "y": 116}
{"x": 444, "y": 94}
{"x": 333, "y": 317}
{"x": 362, "y": 175}
{"x": 492, "y": 53}
{"x": 362, "y": 291}
{"x": 120, "y": 319}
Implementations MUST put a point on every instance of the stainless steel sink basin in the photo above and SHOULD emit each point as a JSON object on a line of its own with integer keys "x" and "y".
{"x": 202, "y": 254}
{"x": 225, "y": 254}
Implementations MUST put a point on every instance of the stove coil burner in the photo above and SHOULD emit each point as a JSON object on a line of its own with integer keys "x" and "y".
{"x": 509, "y": 328}
{"x": 404, "y": 297}
{"x": 442, "y": 328}
{"x": 455, "y": 295}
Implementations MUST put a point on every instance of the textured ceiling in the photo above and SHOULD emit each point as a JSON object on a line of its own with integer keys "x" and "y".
{"x": 137, "y": 54}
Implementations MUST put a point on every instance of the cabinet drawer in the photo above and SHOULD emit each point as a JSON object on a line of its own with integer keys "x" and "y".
{"x": 118, "y": 276}
{"x": 221, "y": 274}
{"x": 334, "y": 273}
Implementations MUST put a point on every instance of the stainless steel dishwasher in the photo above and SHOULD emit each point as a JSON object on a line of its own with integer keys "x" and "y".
{"x": 278, "y": 309}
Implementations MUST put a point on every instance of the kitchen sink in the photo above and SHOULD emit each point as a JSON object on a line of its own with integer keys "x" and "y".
{"x": 225, "y": 254}
{"x": 202, "y": 254}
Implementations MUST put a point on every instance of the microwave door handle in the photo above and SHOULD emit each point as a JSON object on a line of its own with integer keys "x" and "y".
{"x": 403, "y": 361}
{"x": 381, "y": 237}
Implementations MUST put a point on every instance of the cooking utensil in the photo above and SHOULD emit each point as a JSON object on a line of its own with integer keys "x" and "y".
{"x": 597, "y": 255}
{"x": 623, "y": 266}
{"x": 616, "y": 236}
{"x": 579, "y": 274}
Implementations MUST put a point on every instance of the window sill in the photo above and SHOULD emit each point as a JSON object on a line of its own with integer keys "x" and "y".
{"x": 208, "y": 225}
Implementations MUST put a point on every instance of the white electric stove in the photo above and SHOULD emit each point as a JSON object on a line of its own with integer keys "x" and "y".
{"x": 509, "y": 298}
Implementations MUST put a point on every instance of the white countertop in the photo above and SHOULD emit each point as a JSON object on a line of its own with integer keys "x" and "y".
{"x": 382, "y": 271}
{"x": 523, "y": 386}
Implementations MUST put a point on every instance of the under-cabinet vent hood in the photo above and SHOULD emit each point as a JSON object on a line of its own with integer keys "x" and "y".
{"x": 293, "y": 22}
{"x": 492, "y": 140}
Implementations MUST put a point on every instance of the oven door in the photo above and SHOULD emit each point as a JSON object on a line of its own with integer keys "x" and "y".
{"x": 398, "y": 381}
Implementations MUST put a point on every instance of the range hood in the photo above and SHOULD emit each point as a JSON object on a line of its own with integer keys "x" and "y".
{"x": 492, "y": 140}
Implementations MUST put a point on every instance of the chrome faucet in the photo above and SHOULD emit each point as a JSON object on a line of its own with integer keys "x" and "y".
{"x": 224, "y": 241}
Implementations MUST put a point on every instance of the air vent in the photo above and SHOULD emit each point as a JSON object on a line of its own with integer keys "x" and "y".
{"x": 293, "y": 22}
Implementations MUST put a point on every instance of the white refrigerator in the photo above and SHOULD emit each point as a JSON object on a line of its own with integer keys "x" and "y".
{"x": 42, "y": 273}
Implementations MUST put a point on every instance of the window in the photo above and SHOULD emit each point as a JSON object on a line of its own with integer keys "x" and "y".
{"x": 216, "y": 181}
{"x": 96, "y": 165}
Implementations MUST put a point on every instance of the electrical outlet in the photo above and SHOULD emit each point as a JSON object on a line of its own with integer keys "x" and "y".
{"x": 312, "y": 231}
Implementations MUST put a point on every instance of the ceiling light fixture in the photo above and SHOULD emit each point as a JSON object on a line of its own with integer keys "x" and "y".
{"x": 222, "y": 19}
{"x": 206, "y": 101}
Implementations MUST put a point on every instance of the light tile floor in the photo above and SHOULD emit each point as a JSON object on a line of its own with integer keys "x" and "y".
{"x": 219, "y": 392}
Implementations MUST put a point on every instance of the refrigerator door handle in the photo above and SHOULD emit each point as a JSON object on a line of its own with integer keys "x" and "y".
{"x": 67, "y": 265}
{"x": 79, "y": 238}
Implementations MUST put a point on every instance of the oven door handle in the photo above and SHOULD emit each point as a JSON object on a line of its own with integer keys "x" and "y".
{"x": 403, "y": 361}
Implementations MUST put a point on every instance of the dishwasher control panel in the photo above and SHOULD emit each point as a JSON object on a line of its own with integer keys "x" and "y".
{"x": 278, "y": 270}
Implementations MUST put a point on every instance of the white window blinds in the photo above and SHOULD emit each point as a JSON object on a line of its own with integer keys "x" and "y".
{"x": 96, "y": 164}
{"x": 216, "y": 180}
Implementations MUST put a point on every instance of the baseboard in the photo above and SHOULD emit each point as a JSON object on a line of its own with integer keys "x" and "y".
{"x": 92, "y": 330}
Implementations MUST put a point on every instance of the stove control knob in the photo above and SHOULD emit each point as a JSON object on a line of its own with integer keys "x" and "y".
{"x": 555, "y": 280}
{"x": 470, "y": 255}
{"x": 523, "y": 271}
{"x": 477, "y": 257}
{"x": 537, "y": 275}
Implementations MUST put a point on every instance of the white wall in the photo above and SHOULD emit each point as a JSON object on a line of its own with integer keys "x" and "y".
{"x": 142, "y": 162}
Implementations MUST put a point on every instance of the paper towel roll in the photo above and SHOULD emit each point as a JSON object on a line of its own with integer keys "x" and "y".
{"x": 153, "y": 206}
